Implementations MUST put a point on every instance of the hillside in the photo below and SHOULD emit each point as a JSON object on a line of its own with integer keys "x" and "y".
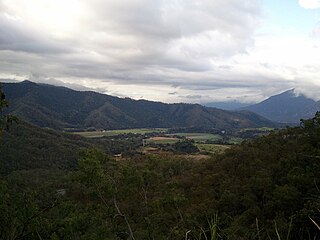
{"x": 267, "y": 188}
{"x": 26, "y": 146}
{"x": 60, "y": 107}
{"x": 29, "y": 147}
{"x": 286, "y": 107}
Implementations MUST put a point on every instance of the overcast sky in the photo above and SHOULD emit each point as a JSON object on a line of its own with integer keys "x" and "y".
{"x": 165, "y": 50}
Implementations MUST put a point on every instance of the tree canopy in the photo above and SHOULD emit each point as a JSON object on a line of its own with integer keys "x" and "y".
{"x": 5, "y": 119}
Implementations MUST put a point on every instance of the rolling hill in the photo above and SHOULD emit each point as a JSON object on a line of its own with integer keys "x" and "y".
{"x": 25, "y": 146}
{"x": 59, "y": 107}
{"x": 286, "y": 107}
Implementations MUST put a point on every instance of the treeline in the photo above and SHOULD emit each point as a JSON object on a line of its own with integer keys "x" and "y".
{"x": 266, "y": 188}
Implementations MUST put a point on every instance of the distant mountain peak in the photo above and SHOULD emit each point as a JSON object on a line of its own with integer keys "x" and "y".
{"x": 288, "y": 107}
{"x": 27, "y": 82}
{"x": 291, "y": 92}
{"x": 288, "y": 93}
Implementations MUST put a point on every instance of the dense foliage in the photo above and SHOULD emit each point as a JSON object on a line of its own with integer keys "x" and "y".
{"x": 5, "y": 119}
{"x": 3, "y": 104}
{"x": 266, "y": 188}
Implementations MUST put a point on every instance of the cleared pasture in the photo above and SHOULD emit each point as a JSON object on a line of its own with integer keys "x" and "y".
{"x": 212, "y": 148}
{"x": 198, "y": 137}
{"x": 161, "y": 140}
{"x": 110, "y": 133}
{"x": 235, "y": 140}
{"x": 262, "y": 129}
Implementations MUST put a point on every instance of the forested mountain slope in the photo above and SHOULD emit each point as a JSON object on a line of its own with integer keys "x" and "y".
{"x": 59, "y": 107}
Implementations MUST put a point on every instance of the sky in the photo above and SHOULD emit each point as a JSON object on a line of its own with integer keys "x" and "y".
{"x": 194, "y": 51}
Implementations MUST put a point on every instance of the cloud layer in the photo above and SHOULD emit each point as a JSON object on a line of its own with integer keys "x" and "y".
{"x": 168, "y": 50}
{"x": 309, "y": 4}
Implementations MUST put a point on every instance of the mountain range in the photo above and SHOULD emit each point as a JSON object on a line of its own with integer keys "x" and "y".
{"x": 60, "y": 108}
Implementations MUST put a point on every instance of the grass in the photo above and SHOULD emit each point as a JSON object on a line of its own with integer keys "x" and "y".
{"x": 162, "y": 140}
{"x": 198, "y": 137}
{"x": 235, "y": 140}
{"x": 98, "y": 134}
{"x": 212, "y": 148}
{"x": 262, "y": 129}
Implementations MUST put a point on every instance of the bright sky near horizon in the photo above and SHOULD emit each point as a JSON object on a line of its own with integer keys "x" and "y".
{"x": 165, "y": 50}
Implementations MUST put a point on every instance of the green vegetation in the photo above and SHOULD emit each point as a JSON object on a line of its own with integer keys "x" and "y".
{"x": 262, "y": 129}
{"x": 3, "y": 105}
{"x": 199, "y": 137}
{"x": 5, "y": 119}
{"x": 110, "y": 133}
{"x": 29, "y": 147}
{"x": 262, "y": 189}
{"x": 61, "y": 186}
{"x": 154, "y": 141}
{"x": 212, "y": 148}
{"x": 235, "y": 140}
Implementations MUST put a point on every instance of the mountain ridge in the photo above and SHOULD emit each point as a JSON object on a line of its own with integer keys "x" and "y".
{"x": 60, "y": 107}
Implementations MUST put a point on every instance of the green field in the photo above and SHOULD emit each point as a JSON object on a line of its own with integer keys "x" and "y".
{"x": 161, "y": 140}
{"x": 235, "y": 140}
{"x": 98, "y": 134}
{"x": 262, "y": 129}
{"x": 198, "y": 137}
{"x": 212, "y": 148}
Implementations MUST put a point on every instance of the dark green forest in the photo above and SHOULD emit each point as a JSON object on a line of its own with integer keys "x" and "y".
{"x": 60, "y": 186}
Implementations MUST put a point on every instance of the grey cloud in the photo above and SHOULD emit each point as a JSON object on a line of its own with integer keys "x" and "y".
{"x": 42, "y": 78}
{"x": 155, "y": 25}
{"x": 193, "y": 96}
{"x": 177, "y": 45}
{"x": 16, "y": 37}
{"x": 151, "y": 33}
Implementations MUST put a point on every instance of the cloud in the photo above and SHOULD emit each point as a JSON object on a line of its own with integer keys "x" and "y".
{"x": 309, "y": 4}
{"x": 130, "y": 35}
{"x": 16, "y": 37}
{"x": 164, "y": 50}
{"x": 316, "y": 31}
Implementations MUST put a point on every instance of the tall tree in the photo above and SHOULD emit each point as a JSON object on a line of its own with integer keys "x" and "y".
{"x": 5, "y": 120}
{"x": 3, "y": 105}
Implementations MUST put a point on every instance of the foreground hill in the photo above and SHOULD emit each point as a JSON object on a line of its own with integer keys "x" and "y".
{"x": 286, "y": 107}
{"x": 267, "y": 188}
{"x": 60, "y": 107}
{"x": 29, "y": 147}
{"x": 26, "y": 147}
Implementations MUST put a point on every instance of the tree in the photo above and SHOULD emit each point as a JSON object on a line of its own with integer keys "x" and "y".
{"x": 311, "y": 128}
{"x": 94, "y": 174}
{"x": 3, "y": 105}
{"x": 5, "y": 119}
